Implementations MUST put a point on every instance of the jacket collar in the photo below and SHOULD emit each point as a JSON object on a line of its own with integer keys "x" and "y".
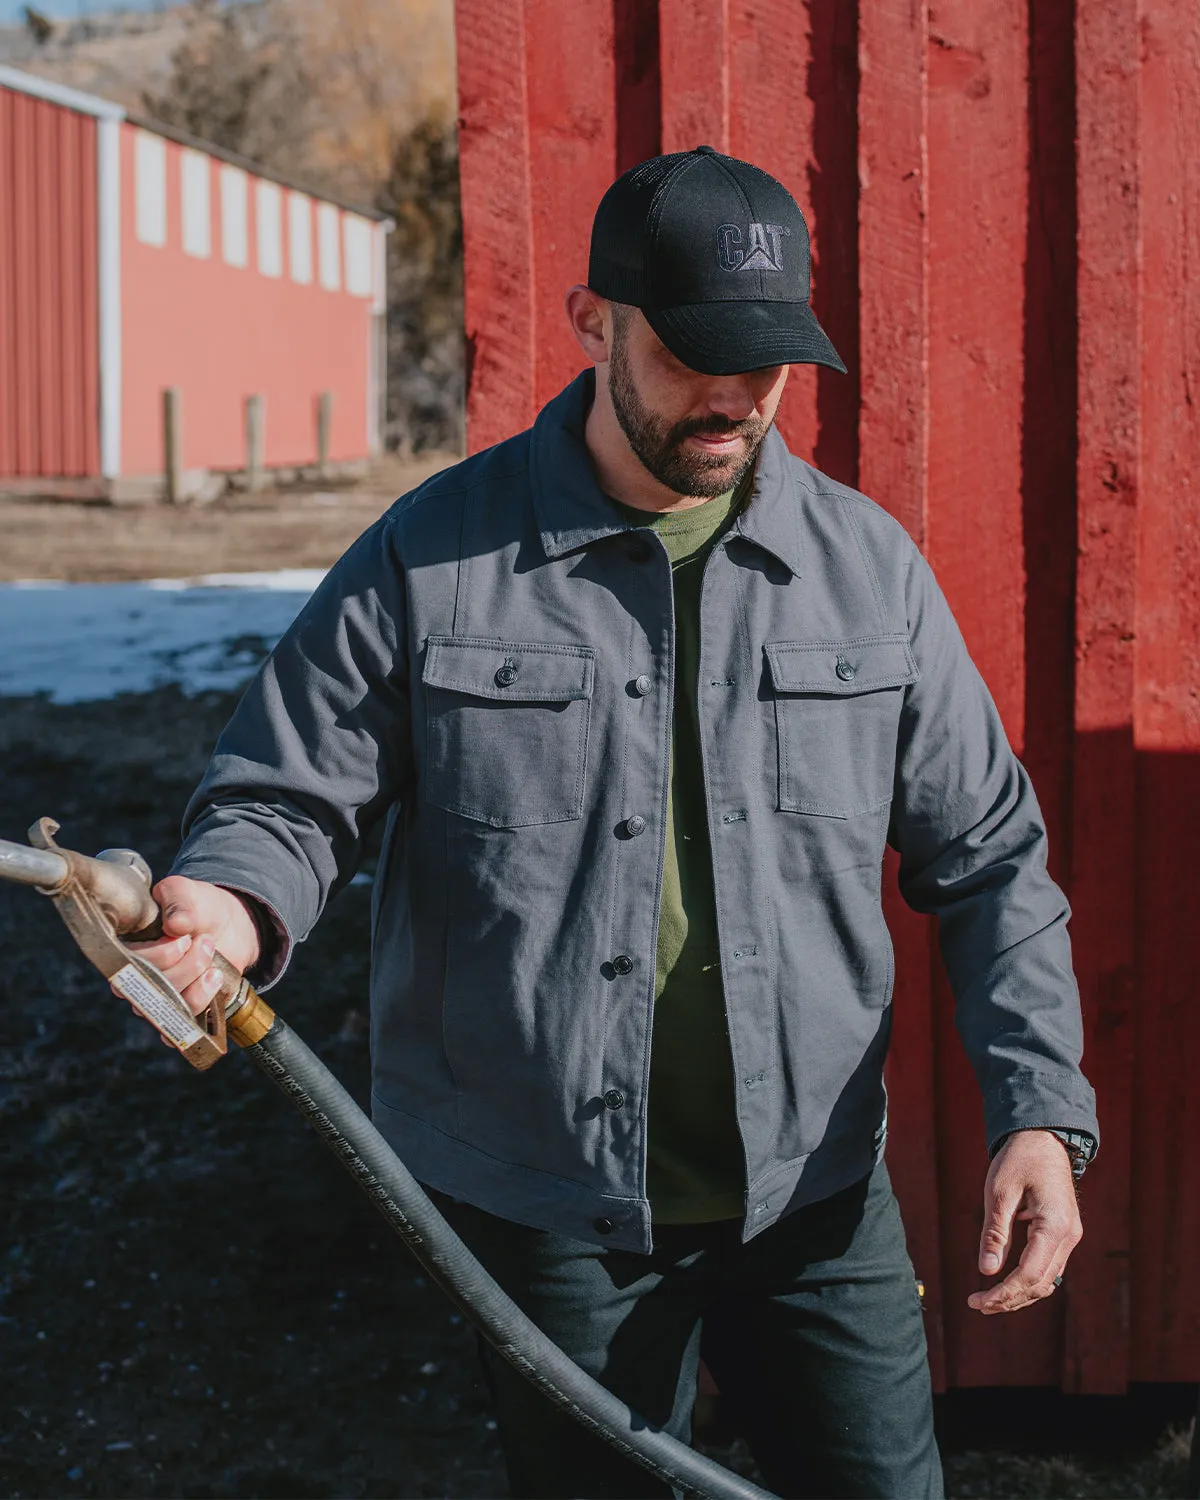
{"x": 772, "y": 518}
{"x": 572, "y": 510}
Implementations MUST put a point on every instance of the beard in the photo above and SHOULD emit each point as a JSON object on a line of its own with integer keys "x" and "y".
{"x": 659, "y": 444}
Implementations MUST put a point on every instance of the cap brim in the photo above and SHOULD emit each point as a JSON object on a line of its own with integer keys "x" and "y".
{"x": 728, "y": 338}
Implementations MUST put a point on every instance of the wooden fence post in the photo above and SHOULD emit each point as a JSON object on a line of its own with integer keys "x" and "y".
{"x": 324, "y": 421}
{"x": 254, "y": 442}
{"x": 172, "y": 445}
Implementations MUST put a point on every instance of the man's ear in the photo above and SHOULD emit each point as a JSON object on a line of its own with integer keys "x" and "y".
{"x": 591, "y": 322}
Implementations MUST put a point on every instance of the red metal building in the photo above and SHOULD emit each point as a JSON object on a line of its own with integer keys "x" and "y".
{"x": 1005, "y": 199}
{"x": 134, "y": 259}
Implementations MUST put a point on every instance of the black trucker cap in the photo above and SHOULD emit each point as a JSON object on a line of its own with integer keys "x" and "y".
{"x": 715, "y": 252}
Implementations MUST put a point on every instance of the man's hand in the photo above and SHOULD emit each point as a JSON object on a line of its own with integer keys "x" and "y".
{"x": 198, "y": 919}
{"x": 1030, "y": 1179}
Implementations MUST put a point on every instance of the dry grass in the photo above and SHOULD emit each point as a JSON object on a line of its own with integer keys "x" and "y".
{"x": 294, "y": 528}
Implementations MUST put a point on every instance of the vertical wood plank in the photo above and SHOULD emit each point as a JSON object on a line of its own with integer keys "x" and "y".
{"x": 893, "y": 469}
{"x": 494, "y": 174}
{"x": 694, "y": 73}
{"x": 571, "y": 74}
{"x": 1108, "y": 479}
{"x": 978, "y": 148}
{"x": 1166, "y": 1108}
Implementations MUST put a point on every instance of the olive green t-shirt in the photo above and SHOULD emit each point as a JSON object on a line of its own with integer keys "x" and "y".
{"x": 695, "y": 1166}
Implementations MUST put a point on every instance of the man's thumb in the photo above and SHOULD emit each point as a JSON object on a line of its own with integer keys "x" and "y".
{"x": 997, "y": 1229}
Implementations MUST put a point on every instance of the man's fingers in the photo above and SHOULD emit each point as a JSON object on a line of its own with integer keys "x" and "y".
{"x": 200, "y": 991}
{"x": 1045, "y": 1256}
{"x": 184, "y": 962}
{"x": 163, "y": 953}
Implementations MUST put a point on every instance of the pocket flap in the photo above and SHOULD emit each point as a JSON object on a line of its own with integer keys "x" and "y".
{"x": 517, "y": 671}
{"x": 842, "y": 668}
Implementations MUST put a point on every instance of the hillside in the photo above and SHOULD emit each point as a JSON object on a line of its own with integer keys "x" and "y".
{"x": 336, "y": 84}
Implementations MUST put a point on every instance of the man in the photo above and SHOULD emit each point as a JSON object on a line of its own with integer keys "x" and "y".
{"x": 641, "y": 697}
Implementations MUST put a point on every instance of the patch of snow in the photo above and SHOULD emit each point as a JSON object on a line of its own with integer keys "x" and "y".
{"x": 76, "y": 642}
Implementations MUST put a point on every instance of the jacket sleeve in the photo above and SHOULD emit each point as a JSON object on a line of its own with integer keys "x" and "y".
{"x": 972, "y": 846}
{"x": 316, "y": 750}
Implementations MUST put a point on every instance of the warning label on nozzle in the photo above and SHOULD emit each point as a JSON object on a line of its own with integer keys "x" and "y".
{"x": 155, "y": 1006}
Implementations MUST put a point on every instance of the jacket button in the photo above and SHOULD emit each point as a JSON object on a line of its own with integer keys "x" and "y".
{"x": 614, "y": 1098}
{"x": 635, "y": 825}
{"x": 845, "y": 670}
{"x": 506, "y": 675}
{"x": 642, "y": 685}
{"x": 602, "y": 1226}
{"x": 623, "y": 964}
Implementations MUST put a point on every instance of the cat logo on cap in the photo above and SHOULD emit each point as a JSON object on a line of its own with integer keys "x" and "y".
{"x": 764, "y": 253}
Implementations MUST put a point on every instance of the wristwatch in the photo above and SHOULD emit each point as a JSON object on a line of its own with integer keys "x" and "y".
{"x": 1080, "y": 1145}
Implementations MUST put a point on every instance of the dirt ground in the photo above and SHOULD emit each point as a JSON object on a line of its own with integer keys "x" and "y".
{"x": 194, "y": 1301}
{"x": 299, "y": 527}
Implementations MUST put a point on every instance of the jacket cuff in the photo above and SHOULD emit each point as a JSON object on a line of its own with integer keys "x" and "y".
{"x": 1040, "y": 1101}
{"x": 274, "y": 943}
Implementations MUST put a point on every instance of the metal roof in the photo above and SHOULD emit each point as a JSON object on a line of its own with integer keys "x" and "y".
{"x": 104, "y": 109}
{"x": 58, "y": 93}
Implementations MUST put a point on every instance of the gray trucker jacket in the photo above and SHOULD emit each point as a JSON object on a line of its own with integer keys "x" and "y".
{"x": 490, "y": 668}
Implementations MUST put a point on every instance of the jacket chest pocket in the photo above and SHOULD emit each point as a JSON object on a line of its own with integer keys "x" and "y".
{"x": 507, "y": 729}
{"x": 837, "y": 714}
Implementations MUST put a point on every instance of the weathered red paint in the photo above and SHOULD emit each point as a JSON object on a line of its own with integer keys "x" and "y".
{"x": 1006, "y": 211}
{"x": 494, "y": 175}
{"x": 49, "y": 416}
{"x": 694, "y": 65}
{"x": 572, "y": 94}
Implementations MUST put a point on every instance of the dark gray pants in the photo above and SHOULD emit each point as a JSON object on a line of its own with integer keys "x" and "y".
{"x": 812, "y": 1332}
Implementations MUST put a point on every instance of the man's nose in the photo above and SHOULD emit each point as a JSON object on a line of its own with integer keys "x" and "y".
{"x": 732, "y": 398}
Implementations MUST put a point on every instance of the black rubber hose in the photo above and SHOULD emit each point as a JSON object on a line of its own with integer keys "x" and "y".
{"x": 374, "y": 1166}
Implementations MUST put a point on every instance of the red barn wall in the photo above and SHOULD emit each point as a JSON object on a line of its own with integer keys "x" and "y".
{"x": 49, "y": 399}
{"x": 1005, "y": 205}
